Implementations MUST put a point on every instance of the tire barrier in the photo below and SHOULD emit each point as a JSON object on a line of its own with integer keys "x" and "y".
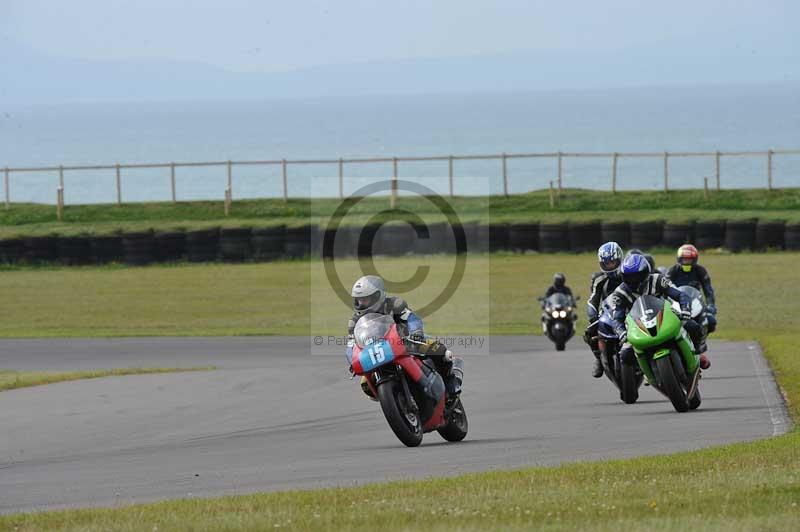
{"x": 791, "y": 237}
{"x": 170, "y": 246}
{"x": 619, "y": 232}
{"x": 202, "y": 245}
{"x": 440, "y": 240}
{"x": 365, "y": 240}
{"x": 553, "y": 237}
{"x": 677, "y": 234}
{"x": 498, "y": 237}
{"x": 74, "y": 250}
{"x": 298, "y": 242}
{"x": 234, "y": 244}
{"x": 139, "y": 247}
{"x": 585, "y": 236}
{"x": 11, "y": 251}
{"x": 709, "y": 234}
{"x": 41, "y": 249}
{"x": 106, "y": 249}
{"x": 645, "y": 235}
{"x": 770, "y": 235}
{"x": 523, "y": 237}
{"x": 740, "y": 235}
{"x": 272, "y": 243}
{"x": 477, "y": 237}
{"x": 394, "y": 239}
{"x": 269, "y": 243}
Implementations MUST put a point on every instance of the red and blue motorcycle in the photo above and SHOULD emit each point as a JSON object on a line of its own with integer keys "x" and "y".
{"x": 411, "y": 392}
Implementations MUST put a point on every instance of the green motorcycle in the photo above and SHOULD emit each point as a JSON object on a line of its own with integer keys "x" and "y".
{"x": 664, "y": 351}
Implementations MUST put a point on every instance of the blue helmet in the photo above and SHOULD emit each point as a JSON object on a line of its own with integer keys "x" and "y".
{"x": 609, "y": 255}
{"x": 635, "y": 271}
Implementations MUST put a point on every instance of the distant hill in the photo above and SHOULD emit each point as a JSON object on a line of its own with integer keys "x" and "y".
{"x": 29, "y": 77}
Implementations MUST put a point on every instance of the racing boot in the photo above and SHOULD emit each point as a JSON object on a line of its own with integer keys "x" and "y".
{"x": 597, "y": 368}
{"x": 366, "y": 388}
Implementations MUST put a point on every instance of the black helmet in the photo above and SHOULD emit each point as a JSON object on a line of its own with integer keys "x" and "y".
{"x": 559, "y": 280}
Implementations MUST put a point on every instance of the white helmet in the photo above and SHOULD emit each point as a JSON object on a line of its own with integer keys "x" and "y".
{"x": 368, "y": 293}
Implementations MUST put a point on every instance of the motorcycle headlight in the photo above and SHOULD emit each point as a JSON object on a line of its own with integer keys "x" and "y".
{"x": 555, "y": 313}
{"x": 563, "y": 313}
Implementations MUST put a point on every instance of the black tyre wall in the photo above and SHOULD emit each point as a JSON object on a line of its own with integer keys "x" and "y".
{"x": 585, "y": 236}
{"x": 770, "y": 235}
{"x": 12, "y": 251}
{"x": 298, "y": 242}
{"x": 554, "y": 237}
{"x": 170, "y": 246}
{"x": 498, "y": 237}
{"x": 107, "y": 249}
{"x": 619, "y": 232}
{"x": 394, "y": 239}
{"x": 645, "y": 235}
{"x": 234, "y": 244}
{"x": 523, "y": 237}
{"x": 41, "y": 249}
{"x": 791, "y": 237}
{"x": 740, "y": 235}
{"x": 677, "y": 234}
{"x": 202, "y": 245}
{"x": 74, "y": 250}
{"x": 269, "y": 243}
{"x": 709, "y": 234}
{"x": 140, "y": 248}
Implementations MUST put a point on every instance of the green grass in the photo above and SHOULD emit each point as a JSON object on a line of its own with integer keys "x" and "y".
{"x": 11, "y": 380}
{"x": 572, "y": 205}
{"x": 747, "y": 486}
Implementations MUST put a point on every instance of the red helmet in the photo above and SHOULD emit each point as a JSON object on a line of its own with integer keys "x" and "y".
{"x": 687, "y": 256}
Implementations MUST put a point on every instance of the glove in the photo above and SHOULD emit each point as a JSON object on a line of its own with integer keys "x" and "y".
{"x": 623, "y": 336}
{"x": 712, "y": 309}
{"x": 685, "y": 314}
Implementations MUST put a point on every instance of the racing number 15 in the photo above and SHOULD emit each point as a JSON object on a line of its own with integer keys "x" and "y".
{"x": 376, "y": 354}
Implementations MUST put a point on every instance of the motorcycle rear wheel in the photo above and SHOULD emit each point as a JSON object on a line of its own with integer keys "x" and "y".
{"x": 405, "y": 424}
{"x": 668, "y": 382}
{"x": 457, "y": 424}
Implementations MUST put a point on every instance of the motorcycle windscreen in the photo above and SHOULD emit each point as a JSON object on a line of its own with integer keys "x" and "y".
{"x": 651, "y": 322}
{"x": 558, "y": 301}
{"x": 371, "y": 327}
{"x": 373, "y": 356}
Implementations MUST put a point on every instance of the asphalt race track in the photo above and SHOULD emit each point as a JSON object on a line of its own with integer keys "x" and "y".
{"x": 274, "y": 417}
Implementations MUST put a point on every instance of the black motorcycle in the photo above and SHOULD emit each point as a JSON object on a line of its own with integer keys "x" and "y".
{"x": 558, "y": 318}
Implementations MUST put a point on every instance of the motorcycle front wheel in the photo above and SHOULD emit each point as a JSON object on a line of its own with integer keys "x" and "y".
{"x": 669, "y": 384}
{"x": 405, "y": 423}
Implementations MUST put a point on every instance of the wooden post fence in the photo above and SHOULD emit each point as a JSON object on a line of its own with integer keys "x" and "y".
{"x": 614, "y": 172}
{"x": 716, "y": 164}
{"x": 505, "y": 176}
{"x": 119, "y": 185}
{"x": 6, "y": 186}
{"x": 285, "y": 184}
{"x": 769, "y": 170}
{"x": 450, "y": 174}
{"x": 172, "y": 182}
{"x": 666, "y": 172}
{"x": 341, "y": 178}
{"x": 393, "y": 196}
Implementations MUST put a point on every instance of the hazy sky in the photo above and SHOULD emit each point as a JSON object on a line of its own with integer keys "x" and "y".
{"x": 271, "y": 35}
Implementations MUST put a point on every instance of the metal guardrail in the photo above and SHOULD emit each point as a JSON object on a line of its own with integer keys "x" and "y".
{"x": 341, "y": 162}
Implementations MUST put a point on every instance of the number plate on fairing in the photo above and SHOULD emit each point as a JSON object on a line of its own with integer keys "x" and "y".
{"x": 375, "y": 355}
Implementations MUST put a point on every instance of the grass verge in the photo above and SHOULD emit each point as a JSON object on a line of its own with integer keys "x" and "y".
{"x": 11, "y": 380}
{"x": 572, "y": 205}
